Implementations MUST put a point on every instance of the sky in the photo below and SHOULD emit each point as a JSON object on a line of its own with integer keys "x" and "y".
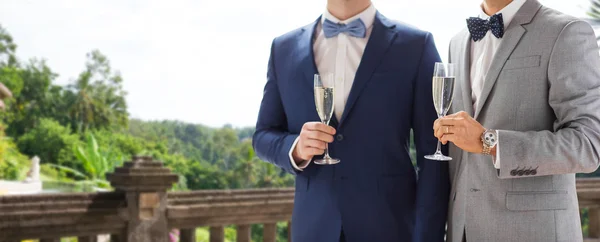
{"x": 197, "y": 61}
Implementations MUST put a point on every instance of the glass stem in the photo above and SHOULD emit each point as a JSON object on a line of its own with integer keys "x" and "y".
{"x": 439, "y": 148}
{"x": 326, "y": 145}
{"x": 326, "y": 152}
{"x": 438, "y": 151}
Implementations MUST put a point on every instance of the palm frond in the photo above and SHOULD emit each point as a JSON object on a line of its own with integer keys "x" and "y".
{"x": 69, "y": 170}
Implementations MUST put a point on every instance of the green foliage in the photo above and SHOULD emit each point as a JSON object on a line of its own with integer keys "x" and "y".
{"x": 230, "y": 233}
{"x": 96, "y": 163}
{"x": 31, "y": 99}
{"x": 83, "y": 131}
{"x": 7, "y": 49}
{"x": 13, "y": 164}
{"x": 99, "y": 96}
{"x": 593, "y": 9}
{"x": 209, "y": 158}
{"x": 205, "y": 177}
{"x": 52, "y": 142}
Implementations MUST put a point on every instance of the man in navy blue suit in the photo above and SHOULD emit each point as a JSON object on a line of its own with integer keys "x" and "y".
{"x": 382, "y": 70}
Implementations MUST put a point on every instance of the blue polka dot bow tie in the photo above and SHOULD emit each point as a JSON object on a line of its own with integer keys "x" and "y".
{"x": 355, "y": 28}
{"x": 479, "y": 27}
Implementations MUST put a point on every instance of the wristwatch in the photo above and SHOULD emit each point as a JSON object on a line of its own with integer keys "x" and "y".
{"x": 489, "y": 139}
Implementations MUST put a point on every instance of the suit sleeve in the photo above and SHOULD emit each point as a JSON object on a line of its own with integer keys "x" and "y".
{"x": 271, "y": 140}
{"x": 433, "y": 185}
{"x": 574, "y": 95}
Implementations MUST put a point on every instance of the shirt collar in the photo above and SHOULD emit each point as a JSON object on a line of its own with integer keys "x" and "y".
{"x": 508, "y": 12}
{"x": 367, "y": 16}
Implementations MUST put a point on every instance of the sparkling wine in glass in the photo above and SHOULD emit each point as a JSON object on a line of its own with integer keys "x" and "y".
{"x": 324, "y": 100}
{"x": 443, "y": 92}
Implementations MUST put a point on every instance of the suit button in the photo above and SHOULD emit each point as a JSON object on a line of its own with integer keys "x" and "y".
{"x": 534, "y": 172}
{"x": 513, "y": 172}
{"x": 474, "y": 190}
{"x": 527, "y": 172}
{"x": 339, "y": 137}
{"x": 520, "y": 173}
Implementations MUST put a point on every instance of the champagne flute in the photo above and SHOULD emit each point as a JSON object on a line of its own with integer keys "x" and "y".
{"x": 443, "y": 92}
{"x": 324, "y": 101}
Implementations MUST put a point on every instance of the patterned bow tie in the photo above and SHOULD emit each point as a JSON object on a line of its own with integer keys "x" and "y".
{"x": 479, "y": 27}
{"x": 355, "y": 28}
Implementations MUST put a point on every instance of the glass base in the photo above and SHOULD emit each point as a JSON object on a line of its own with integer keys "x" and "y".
{"x": 439, "y": 157}
{"x": 327, "y": 161}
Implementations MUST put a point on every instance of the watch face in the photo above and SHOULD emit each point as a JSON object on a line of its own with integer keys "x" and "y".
{"x": 490, "y": 138}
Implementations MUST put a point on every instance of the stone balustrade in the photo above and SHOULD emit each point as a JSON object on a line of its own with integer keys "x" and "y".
{"x": 141, "y": 209}
{"x": 588, "y": 193}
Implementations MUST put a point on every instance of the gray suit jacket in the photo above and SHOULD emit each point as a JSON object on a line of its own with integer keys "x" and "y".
{"x": 542, "y": 93}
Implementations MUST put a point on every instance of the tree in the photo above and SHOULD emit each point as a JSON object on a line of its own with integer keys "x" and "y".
{"x": 31, "y": 97}
{"x": 99, "y": 96}
{"x": 52, "y": 142}
{"x": 7, "y": 49}
{"x": 246, "y": 171}
{"x": 83, "y": 130}
{"x": 205, "y": 177}
{"x": 13, "y": 164}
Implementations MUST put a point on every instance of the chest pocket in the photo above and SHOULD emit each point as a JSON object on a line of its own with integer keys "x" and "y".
{"x": 522, "y": 62}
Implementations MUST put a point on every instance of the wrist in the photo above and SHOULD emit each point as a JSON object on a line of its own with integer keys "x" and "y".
{"x": 298, "y": 157}
{"x": 489, "y": 139}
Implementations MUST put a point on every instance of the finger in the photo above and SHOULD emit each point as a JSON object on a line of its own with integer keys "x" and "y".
{"x": 315, "y": 126}
{"x": 462, "y": 113}
{"x": 436, "y": 124}
{"x": 448, "y": 138}
{"x": 451, "y": 121}
{"x": 313, "y": 143}
{"x": 313, "y": 151}
{"x": 450, "y": 129}
{"x": 438, "y": 132}
{"x": 442, "y": 130}
{"x": 453, "y": 115}
{"x": 318, "y": 135}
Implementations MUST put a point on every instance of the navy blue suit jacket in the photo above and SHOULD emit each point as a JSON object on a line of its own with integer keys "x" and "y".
{"x": 373, "y": 194}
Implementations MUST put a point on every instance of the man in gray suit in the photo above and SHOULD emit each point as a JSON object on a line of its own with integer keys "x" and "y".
{"x": 526, "y": 118}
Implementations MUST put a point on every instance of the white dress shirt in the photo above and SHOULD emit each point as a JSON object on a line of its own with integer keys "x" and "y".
{"x": 339, "y": 55}
{"x": 482, "y": 54}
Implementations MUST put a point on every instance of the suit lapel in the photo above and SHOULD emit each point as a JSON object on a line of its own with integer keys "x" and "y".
{"x": 306, "y": 53}
{"x": 382, "y": 37}
{"x": 307, "y": 59}
{"x": 465, "y": 72}
{"x": 512, "y": 36}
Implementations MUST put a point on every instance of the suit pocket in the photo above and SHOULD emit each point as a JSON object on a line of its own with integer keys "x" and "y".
{"x": 522, "y": 62}
{"x": 539, "y": 200}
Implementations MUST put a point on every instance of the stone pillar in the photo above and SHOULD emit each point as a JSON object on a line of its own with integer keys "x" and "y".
{"x": 270, "y": 232}
{"x": 217, "y": 234}
{"x": 50, "y": 240}
{"x": 243, "y": 233}
{"x": 145, "y": 183}
{"x": 93, "y": 238}
{"x": 289, "y": 231}
{"x": 187, "y": 235}
{"x": 117, "y": 238}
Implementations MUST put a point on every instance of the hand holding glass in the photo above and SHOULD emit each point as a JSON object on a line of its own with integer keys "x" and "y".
{"x": 443, "y": 91}
{"x": 324, "y": 101}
